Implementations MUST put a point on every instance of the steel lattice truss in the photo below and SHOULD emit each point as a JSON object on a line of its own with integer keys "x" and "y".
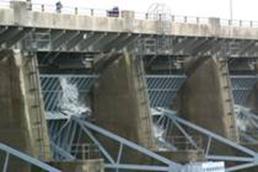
{"x": 12, "y": 153}
{"x": 65, "y": 132}
{"x": 168, "y": 121}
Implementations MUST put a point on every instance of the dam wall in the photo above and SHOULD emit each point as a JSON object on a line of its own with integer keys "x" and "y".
{"x": 206, "y": 98}
{"x": 20, "y": 125}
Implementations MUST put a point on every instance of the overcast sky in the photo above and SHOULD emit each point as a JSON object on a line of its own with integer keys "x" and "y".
{"x": 242, "y": 9}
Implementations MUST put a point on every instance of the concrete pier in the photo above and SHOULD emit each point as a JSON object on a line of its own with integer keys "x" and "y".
{"x": 18, "y": 124}
{"x": 120, "y": 105}
{"x": 119, "y": 102}
{"x": 206, "y": 97}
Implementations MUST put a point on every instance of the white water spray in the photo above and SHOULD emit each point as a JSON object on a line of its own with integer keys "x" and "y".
{"x": 159, "y": 133}
{"x": 245, "y": 119}
{"x": 69, "y": 104}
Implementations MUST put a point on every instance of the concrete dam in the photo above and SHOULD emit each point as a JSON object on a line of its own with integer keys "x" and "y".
{"x": 87, "y": 91}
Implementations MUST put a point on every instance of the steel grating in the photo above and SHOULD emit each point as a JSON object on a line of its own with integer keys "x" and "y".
{"x": 242, "y": 86}
{"x": 52, "y": 91}
{"x": 163, "y": 88}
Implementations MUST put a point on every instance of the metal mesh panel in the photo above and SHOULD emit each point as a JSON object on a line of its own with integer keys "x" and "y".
{"x": 52, "y": 91}
{"x": 163, "y": 88}
{"x": 241, "y": 87}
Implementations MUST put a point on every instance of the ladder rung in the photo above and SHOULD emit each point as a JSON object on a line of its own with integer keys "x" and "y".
{"x": 230, "y": 113}
{"x": 224, "y": 74}
{"x": 144, "y": 118}
{"x": 35, "y": 106}
{"x": 37, "y": 123}
{"x": 143, "y": 102}
{"x": 32, "y": 72}
{"x": 32, "y": 89}
{"x": 228, "y": 100}
{"x": 39, "y": 139}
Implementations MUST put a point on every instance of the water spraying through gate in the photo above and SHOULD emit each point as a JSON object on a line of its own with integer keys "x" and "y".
{"x": 70, "y": 104}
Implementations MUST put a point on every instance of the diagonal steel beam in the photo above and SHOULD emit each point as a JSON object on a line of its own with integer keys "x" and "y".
{"x": 208, "y": 133}
{"x": 8, "y": 34}
{"x": 89, "y": 39}
{"x": 128, "y": 143}
{"x": 108, "y": 39}
{"x": 17, "y": 38}
{"x": 74, "y": 41}
{"x": 116, "y": 42}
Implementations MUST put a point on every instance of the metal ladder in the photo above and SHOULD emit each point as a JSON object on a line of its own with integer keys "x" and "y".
{"x": 35, "y": 106}
{"x": 149, "y": 45}
{"x": 145, "y": 118}
{"x": 43, "y": 40}
{"x": 233, "y": 48}
{"x": 228, "y": 101}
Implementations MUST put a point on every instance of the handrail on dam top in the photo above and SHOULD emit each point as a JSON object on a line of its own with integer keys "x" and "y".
{"x": 137, "y": 15}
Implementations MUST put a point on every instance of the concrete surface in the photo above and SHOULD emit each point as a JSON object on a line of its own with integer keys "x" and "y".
{"x": 118, "y": 104}
{"x": 206, "y": 98}
{"x": 117, "y": 107}
{"x": 35, "y": 105}
{"x": 81, "y": 166}
{"x": 16, "y": 125}
{"x": 18, "y": 15}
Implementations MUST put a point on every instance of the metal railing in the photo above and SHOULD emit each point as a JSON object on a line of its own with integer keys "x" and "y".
{"x": 182, "y": 143}
{"x": 116, "y": 162}
{"x": 85, "y": 151}
{"x": 51, "y": 8}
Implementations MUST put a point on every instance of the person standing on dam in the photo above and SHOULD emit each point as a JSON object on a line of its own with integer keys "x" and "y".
{"x": 59, "y": 7}
{"x": 29, "y": 4}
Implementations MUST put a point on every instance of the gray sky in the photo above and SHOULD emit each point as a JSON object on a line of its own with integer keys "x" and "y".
{"x": 242, "y": 9}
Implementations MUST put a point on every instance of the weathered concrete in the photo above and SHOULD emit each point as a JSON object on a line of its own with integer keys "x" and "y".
{"x": 15, "y": 124}
{"x": 20, "y": 16}
{"x": 119, "y": 104}
{"x": 206, "y": 98}
{"x": 81, "y": 166}
{"x": 16, "y": 120}
{"x": 35, "y": 107}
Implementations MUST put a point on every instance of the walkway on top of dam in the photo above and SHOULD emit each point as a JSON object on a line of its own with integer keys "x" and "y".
{"x": 84, "y": 19}
{"x": 90, "y": 30}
